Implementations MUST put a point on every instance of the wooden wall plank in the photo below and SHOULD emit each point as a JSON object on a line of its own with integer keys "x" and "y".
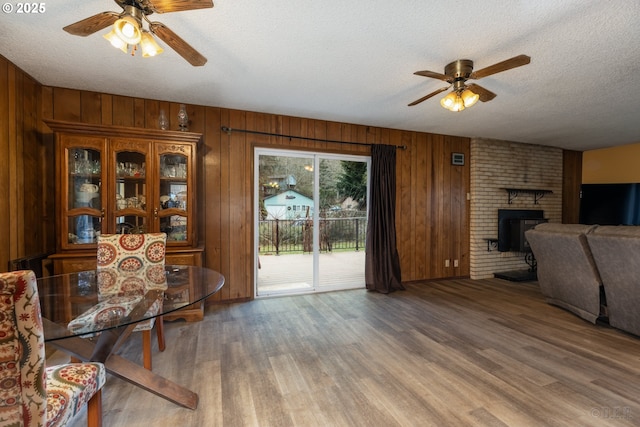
{"x": 107, "y": 109}
{"x": 437, "y": 210}
{"x": 67, "y": 105}
{"x": 320, "y": 132}
{"x": 410, "y": 218}
{"x": 47, "y": 152}
{"x": 404, "y": 170}
{"x": 48, "y": 167}
{"x": 151, "y": 114}
{"x": 228, "y": 117}
{"x": 429, "y": 188}
{"x": 211, "y": 206}
{"x": 139, "y": 116}
{"x": 91, "y": 107}
{"x": 233, "y": 200}
{"x": 5, "y": 131}
{"x": 30, "y": 162}
{"x": 456, "y": 206}
{"x": 123, "y": 112}
{"x": 47, "y": 102}
{"x": 421, "y": 207}
{"x": 16, "y": 185}
{"x": 571, "y": 184}
{"x": 333, "y": 132}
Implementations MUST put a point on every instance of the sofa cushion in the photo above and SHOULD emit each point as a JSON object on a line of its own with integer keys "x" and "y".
{"x": 567, "y": 273}
{"x": 615, "y": 250}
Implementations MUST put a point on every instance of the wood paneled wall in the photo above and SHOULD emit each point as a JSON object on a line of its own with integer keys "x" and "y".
{"x": 571, "y": 184}
{"x": 24, "y": 222}
{"x": 432, "y": 208}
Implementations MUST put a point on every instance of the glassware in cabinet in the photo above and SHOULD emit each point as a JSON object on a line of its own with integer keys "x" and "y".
{"x": 82, "y": 197}
{"x": 175, "y": 187}
{"x": 130, "y": 212}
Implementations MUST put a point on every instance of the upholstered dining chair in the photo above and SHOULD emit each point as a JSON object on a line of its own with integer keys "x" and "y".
{"x": 32, "y": 394}
{"x": 135, "y": 252}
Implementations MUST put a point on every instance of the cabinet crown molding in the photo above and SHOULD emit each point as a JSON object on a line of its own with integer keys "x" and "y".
{"x": 122, "y": 131}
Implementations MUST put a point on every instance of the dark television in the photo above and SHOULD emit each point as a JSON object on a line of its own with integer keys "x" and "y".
{"x": 610, "y": 204}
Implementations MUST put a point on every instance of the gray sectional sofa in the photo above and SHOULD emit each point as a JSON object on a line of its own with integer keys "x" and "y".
{"x": 616, "y": 251}
{"x": 592, "y": 271}
{"x": 567, "y": 273}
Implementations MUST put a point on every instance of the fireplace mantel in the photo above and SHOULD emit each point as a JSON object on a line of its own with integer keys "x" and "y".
{"x": 537, "y": 194}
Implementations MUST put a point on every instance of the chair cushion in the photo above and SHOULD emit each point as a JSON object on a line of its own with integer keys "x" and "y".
{"x": 30, "y": 393}
{"x": 131, "y": 251}
{"x": 69, "y": 388}
{"x": 22, "y": 357}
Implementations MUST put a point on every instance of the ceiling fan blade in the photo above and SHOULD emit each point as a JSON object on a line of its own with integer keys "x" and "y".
{"x": 165, "y": 6}
{"x": 508, "y": 64}
{"x": 485, "y": 94}
{"x": 434, "y": 75}
{"x": 92, "y": 24}
{"x": 176, "y": 43}
{"x": 424, "y": 98}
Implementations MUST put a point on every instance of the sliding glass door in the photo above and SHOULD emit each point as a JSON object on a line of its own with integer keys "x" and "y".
{"x": 310, "y": 222}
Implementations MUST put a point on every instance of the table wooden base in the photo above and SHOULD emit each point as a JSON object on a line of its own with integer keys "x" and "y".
{"x": 102, "y": 350}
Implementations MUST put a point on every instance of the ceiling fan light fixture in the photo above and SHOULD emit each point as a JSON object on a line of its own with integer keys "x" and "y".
{"x": 149, "y": 46}
{"x": 116, "y": 41}
{"x": 458, "y": 105}
{"x": 128, "y": 29}
{"x": 448, "y": 101}
{"x": 469, "y": 98}
{"x": 453, "y": 102}
{"x": 458, "y": 72}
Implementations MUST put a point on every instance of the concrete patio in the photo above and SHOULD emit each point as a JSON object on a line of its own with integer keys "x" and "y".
{"x": 293, "y": 273}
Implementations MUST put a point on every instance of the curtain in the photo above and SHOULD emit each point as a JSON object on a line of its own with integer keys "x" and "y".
{"x": 382, "y": 263}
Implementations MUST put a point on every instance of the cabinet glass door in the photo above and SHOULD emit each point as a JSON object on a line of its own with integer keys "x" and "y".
{"x": 131, "y": 211}
{"x": 83, "y": 194}
{"x": 174, "y": 197}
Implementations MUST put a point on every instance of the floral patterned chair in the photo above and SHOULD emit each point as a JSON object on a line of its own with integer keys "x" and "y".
{"x": 132, "y": 253}
{"x": 32, "y": 394}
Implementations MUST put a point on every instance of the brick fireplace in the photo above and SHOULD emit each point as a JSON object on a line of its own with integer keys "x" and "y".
{"x": 497, "y": 169}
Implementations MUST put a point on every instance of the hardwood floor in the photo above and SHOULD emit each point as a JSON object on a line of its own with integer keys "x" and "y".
{"x": 447, "y": 353}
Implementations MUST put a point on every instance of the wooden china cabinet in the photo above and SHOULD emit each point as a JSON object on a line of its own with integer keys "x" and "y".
{"x": 112, "y": 179}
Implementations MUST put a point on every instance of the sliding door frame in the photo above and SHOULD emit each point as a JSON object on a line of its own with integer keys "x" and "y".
{"x": 317, "y": 156}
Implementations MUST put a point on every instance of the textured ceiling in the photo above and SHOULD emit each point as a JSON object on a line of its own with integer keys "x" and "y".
{"x": 353, "y": 61}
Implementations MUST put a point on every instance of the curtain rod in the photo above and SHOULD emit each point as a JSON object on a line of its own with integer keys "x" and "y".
{"x": 255, "y": 132}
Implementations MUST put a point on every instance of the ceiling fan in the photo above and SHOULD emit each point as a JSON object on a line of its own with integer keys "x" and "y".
{"x": 128, "y": 30}
{"x": 458, "y": 72}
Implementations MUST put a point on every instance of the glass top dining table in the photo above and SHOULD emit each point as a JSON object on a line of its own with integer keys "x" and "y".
{"x": 89, "y": 314}
{"x": 89, "y": 302}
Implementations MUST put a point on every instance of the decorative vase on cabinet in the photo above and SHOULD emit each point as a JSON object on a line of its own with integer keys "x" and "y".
{"x": 112, "y": 179}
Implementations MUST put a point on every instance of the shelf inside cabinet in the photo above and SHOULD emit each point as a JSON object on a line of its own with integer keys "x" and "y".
{"x": 173, "y": 179}
{"x": 85, "y": 175}
{"x": 130, "y": 178}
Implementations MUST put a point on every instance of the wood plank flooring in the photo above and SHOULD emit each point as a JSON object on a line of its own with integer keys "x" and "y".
{"x": 447, "y": 353}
